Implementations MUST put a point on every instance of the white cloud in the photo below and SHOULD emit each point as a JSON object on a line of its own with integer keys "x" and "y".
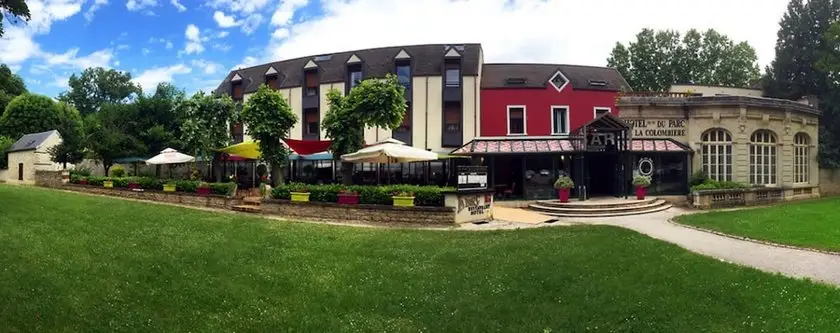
{"x": 193, "y": 44}
{"x": 286, "y": 11}
{"x": 222, "y": 47}
{"x": 116, "y": 63}
{"x": 208, "y": 67}
{"x": 247, "y": 62}
{"x": 555, "y": 31}
{"x": 17, "y": 45}
{"x": 101, "y": 58}
{"x": 243, "y": 6}
{"x": 145, "y": 51}
{"x": 150, "y": 78}
{"x": 222, "y": 34}
{"x": 280, "y": 33}
{"x": 136, "y": 5}
{"x": 123, "y": 47}
{"x": 61, "y": 82}
{"x": 251, "y": 23}
{"x": 168, "y": 45}
{"x": 178, "y": 5}
{"x": 223, "y": 20}
{"x": 93, "y": 8}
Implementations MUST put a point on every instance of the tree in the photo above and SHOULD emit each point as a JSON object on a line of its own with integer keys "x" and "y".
{"x": 372, "y": 103}
{"x": 206, "y": 122}
{"x": 5, "y": 143}
{"x": 15, "y": 10}
{"x": 98, "y": 86}
{"x": 268, "y": 118}
{"x": 11, "y": 85}
{"x": 71, "y": 149}
{"x": 156, "y": 120}
{"x": 29, "y": 113}
{"x": 658, "y": 59}
{"x": 106, "y": 135}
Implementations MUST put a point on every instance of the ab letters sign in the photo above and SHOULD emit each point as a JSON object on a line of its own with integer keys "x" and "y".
{"x": 662, "y": 128}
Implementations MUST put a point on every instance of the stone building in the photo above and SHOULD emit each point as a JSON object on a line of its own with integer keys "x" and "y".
{"x": 31, "y": 153}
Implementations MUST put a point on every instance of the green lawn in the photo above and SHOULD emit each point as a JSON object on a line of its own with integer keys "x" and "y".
{"x": 812, "y": 223}
{"x": 75, "y": 263}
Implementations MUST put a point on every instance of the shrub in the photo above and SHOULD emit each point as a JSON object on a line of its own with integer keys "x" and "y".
{"x": 369, "y": 195}
{"x": 324, "y": 193}
{"x": 641, "y": 181}
{"x": 120, "y": 182}
{"x": 96, "y": 180}
{"x": 281, "y": 192}
{"x": 81, "y": 171}
{"x": 299, "y": 188}
{"x": 563, "y": 182}
{"x": 711, "y": 184}
{"x": 186, "y": 185}
{"x": 117, "y": 171}
{"x": 150, "y": 183}
{"x": 222, "y": 188}
{"x": 74, "y": 179}
{"x": 698, "y": 178}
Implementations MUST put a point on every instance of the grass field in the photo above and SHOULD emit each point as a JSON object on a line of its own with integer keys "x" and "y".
{"x": 812, "y": 223}
{"x": 75, "y": 263}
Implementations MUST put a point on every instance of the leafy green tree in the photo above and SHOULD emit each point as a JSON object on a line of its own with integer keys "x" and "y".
{"x": 11, "y": 85}
{"x": 98, "y": 86}
{"x": 372, "y": 103}
{"x": 658, "y": 59}
{"x": 71, "y": 149}
{"x": 206, "y": 122}
{"x": 29, "y": 113}
{"x": 156, "y": 120}
{"x": 5, "y": 143}
{"x": 268, "y": 118}
{"x": 107, "y": 136}
{"x": 13, "y": 10}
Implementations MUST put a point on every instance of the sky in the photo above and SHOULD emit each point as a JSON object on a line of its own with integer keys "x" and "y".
{"x": 194, "y": 44}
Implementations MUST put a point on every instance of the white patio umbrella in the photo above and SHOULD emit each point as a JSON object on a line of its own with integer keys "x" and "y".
{"x": 389, "y": 151}
{"x": 170, "y": 156}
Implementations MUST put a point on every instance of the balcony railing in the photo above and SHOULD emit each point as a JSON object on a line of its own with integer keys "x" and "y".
{"x": 659, "y": 94}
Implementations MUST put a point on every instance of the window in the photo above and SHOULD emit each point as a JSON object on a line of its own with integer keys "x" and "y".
{"x": 559, "y": 120}
{"x": 311, "y": 121}
{"x": 516, "y": 120}
{"x": 452, "y": 117}
{"x": 404, "y": 74}
{"x": 311, "y": 83}
{"x": 453, "y": 74}
{"x": 717, "y": 154}
{"x": 236, "y": 132}
{"x": 236, "y": 90}
{"x": 801, "y": 158}
{"x": 271, "y": 81}
{"x": 354, "y": 75}
{"x": 763, "y": 158}
{"x": 601, "y": 110}
{"x": 559, "y": 81}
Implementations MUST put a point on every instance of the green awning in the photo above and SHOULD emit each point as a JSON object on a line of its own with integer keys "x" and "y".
{"x": 128, "y": 160}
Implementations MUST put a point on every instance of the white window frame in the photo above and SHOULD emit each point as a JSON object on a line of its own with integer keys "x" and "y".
{"x": 801, "y": 158}
{"x": 759, "y": 151}
{"x": 524, "y": 119}
{"x": 551, "y": 81}
{"x": 565, "y": 130}
{"x": 595, "y": 110}
{"x": 716, "y": 155}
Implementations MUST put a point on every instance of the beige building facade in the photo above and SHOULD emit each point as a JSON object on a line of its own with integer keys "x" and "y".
{"x": 745, "y": 139}
{"x": 31, "y": 153}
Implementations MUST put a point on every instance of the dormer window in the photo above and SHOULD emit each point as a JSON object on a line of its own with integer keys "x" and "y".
{"x": 354, "y": 75}
{"x": 559, "y": 81}
{"x": 311, "y": 83}
{"x": 453, "y": 74}
{"x": 597, "y": 83}
{"x": 404, "y": 73}
{"x": 272, "y": 80}
{"x": 236, "y": 90}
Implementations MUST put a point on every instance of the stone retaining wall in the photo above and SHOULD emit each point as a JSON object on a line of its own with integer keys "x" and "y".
{"x": 212, "y": 201}
{"x": 750, "y": 196}
{"x": 360, "y": 213}
{"x": 48, "y": 178}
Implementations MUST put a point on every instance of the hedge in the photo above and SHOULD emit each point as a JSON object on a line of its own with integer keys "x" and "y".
{"x": 150, "y": 183}
{"x": 370, "y": 195}
{"x": 710, "y": 184}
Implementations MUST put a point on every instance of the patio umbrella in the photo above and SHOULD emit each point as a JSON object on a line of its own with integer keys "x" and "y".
{"x": 389, "y": 151}
{"x": 247, "y": 149}
{"x": 170, "y": 156}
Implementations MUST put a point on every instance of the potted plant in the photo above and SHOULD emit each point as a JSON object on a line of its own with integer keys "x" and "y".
{"x": 108, "y": 183}
{"x": 133, "y": 184}
{"x": 299, "y": 193}
{"x": 348, "y": 197}
{"x": 563, "y": 184}
{"x": 203, "y": 188}
{"x": 403, "y": 199}
{"x": 169, "y": 187}
{"x": 641, "y": 182}
{"x": 83, "y": 181}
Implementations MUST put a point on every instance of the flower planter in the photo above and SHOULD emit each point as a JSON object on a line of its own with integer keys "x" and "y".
{"x": 348, "y": 199}
{"x": 640, "y": 193}
{"x": 300, "y": 196}
{"x": 83, "y": 182}
{"x": 108, "y": 184}
{"x": 204, "y": 191}
{"x": 403, "y": 201}
{"x": 134, "y": 186}
{"x": 563, "y": 195}
{"x": 169, "y": 187}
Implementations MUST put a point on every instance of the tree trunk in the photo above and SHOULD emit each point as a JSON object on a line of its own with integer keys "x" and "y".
{"x": 276, "y": 176}
{"x": 107, "y": 167}
{"x": 347, "y": 173}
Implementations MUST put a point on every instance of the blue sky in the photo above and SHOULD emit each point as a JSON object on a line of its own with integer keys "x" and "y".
{"x": 194, "y": 43}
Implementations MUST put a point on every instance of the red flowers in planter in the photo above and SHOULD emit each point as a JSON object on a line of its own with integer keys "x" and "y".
{"x": 348, "y": 197}
{"x": 203, "y": 189}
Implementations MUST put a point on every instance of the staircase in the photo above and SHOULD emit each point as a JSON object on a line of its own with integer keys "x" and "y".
{"x": 600, "y": 207}
{"x": 249, "y": 205}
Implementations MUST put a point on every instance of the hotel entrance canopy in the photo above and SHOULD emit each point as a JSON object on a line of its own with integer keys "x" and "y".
{"x": 492, "y": 146}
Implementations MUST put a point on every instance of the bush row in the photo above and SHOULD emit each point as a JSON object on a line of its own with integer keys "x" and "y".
{"x": 711, "y": 184}
{"x": 150, "y": 183}
{"x": 369, "y": 195}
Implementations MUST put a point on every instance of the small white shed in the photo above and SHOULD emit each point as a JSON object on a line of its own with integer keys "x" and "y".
{"x": 30, "y": 153}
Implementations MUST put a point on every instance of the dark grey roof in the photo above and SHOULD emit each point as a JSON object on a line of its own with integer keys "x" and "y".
{"x": 538, "y": 75}
{"x": 30, "y": 141}
{"x": 426, "y": 60}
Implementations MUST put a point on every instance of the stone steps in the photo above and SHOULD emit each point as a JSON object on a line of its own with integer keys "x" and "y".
{"x": 249, "y": 205}
{"x": 617, "y": 207}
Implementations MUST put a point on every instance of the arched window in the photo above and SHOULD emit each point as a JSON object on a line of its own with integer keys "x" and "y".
{"x": 801, "y": 156}
{"x": 717, "y": 154}
{"x": 763, "y": 158}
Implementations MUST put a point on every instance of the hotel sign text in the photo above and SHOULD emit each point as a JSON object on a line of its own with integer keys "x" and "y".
{"x": 666, "y": 128}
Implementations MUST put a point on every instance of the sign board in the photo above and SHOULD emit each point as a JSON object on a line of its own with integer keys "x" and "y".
{"x": 473, "y": 207}
{"x": 658, "y": 128}
{"x": 472, "y": 177}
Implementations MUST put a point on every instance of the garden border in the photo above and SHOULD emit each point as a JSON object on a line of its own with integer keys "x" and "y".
{"x": 377, "y": 214}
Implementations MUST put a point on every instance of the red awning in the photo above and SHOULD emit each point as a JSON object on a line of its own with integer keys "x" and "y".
{"x": 308, "y": 147}
{"x": 530, "y": 146}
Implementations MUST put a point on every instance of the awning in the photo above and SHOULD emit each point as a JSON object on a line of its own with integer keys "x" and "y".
{"x": 308, "y": 147}
{"x": 128, "y": 160}
{"x": 325, "y": 156}
{"x": 536, "y": 146}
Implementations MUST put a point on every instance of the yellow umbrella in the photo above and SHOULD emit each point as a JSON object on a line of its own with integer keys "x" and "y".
{"x": 247, "y": 149}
